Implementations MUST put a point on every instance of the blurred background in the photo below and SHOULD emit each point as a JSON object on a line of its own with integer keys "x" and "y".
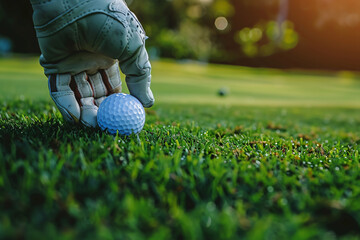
{"x": 311, "y": 34}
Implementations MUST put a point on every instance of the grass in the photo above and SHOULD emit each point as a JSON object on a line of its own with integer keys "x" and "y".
{"x": 276, "y": 159}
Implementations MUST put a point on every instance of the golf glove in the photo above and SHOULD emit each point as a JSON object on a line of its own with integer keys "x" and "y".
{"x": 83, "y": 43}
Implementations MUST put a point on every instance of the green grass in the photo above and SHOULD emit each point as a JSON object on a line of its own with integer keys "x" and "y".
{"x": 276, "y": 159}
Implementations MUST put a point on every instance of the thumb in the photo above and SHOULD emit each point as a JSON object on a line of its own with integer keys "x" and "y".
{"x": 138, "y": 76}
{"x": 140, "y": 88}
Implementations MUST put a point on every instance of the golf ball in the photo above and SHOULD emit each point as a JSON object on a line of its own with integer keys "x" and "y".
{"x": 121, "y": 113}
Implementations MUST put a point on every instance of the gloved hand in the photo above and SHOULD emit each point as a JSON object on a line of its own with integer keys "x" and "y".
{"x": 83, "y": 42}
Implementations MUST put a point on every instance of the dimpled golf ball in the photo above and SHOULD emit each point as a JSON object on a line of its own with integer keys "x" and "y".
{"x": 121, "y": 113}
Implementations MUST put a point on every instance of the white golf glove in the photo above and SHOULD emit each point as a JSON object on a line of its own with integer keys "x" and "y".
{"x": 83, "y": 43}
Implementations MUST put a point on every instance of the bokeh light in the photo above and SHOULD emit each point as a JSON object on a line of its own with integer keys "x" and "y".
{"x": 221, "y": 23}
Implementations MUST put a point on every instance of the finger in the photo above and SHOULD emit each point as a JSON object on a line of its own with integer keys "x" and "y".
{"x": 84, "y": 93}
{"x": 100, "y": 91}
{"x": 138, "y": 77}
{"x": 105, "y": 83}
{"x": 98, "y": 101}
{"x": 64, "y": 97}
{"x": 111, "y": 79}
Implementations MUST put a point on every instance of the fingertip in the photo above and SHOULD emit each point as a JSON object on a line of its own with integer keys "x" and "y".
{"x": 89, "y": 116}
{"x": 149, "y": 104}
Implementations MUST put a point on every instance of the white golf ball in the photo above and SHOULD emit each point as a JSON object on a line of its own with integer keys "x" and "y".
{"x": 121, "y": 113}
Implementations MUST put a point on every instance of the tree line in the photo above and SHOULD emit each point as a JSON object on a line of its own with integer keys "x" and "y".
{"x": 263, "y": 33}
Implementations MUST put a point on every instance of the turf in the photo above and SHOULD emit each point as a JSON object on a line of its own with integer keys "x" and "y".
{"x": 278, "y": 158}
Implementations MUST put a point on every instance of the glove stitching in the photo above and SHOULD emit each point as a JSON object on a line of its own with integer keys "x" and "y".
{"x": 105, "y": 79}
{"x": 83, "y": 85}
{"x": 104, "y": 32}
{"x": 43, "y": 32}
{"x": 99, "y": 86}
{"x": 104, "y": 90}
{"x": 89, "y": 107}
{"x": 79, "y": 89}
{"x": 72, "y": 21}
{"x": 62, "y": 94}
{"x": 51, "y": 27}
{"x": 66, "y": 4}
{"x": 69, "y": 12}
{"x": 101, "y": 35}
{"x": 91, "y": 86}
{"x": 142, "y": 70}
{"x": 142, "y": 31}
{"x": 111, "y": 78}
{"x": 128, "y": 41}
{"x": 77, "y": 36}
